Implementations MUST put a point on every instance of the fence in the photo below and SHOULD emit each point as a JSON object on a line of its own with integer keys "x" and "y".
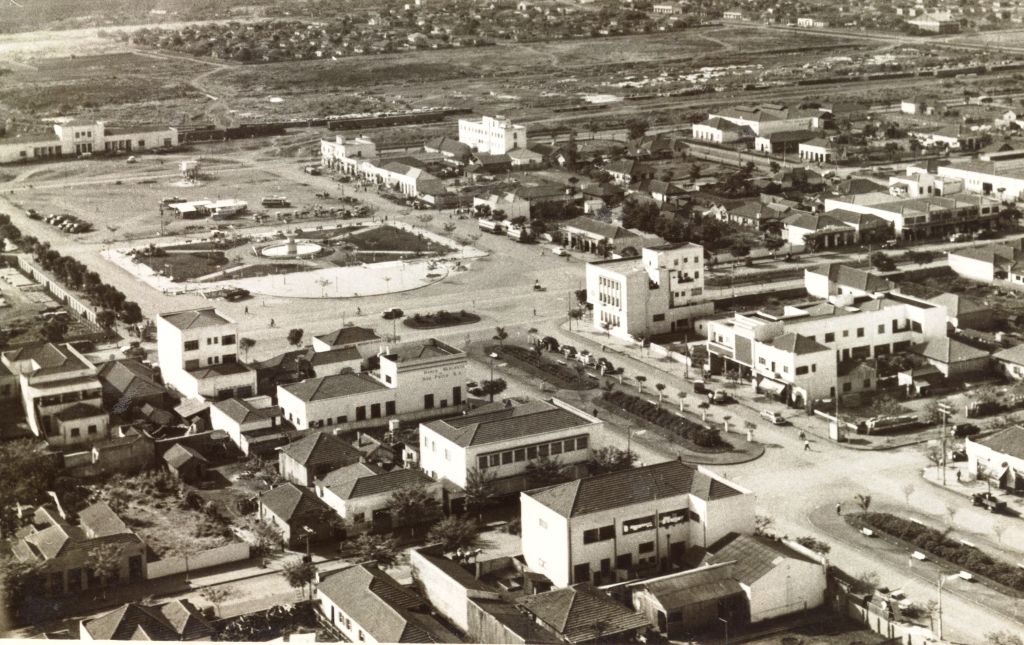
{"x": 202, "y": 560}
{"x": 59, "y": 292}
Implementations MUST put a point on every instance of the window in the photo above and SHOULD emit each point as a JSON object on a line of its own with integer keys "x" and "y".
{"x": 387, "y": 378}
{"x": 847, "y": 387}
{"x": 359, "y": 518}
{"x": 801, "y": 370}
{"x": 581, "y": 443}
{"x": 599, "y": 534}
{"x": 481, "y": 461}
{"x": 607, "y": 532}
{"x": 191, "y": 345}
{"x": 362, "y": 637}
{"x": 694, "y": 516}
{"x": 375, "y": 410}
{"x": 867, "y": 383}
{"x": 881, "y": 329}
{"x": 915, "y": 326}
{"x": 860, "y": 332}
{"x": 646, "y": 547}
{"x": 846, "y": 333}
{"x": 556, "y": 448}
{"x": 542, "y": 450}
{"x": 389, "y": 407}
{"x": 531, "y": 452}
{"x": 506, "y": 457}
{"x": 761, "y": 360}
{"x": 75, "y": 432}
{"x": 361, "y": 413}
{"x": 93, "y": 429}
{"x": 659, "y": 317}
{"x": 520, "y": 454}
{"x": 830, "y": 337}
{"x": 428, "y": 401}
{"x": 227, "y": 340}
{"x": 494, "y": 460}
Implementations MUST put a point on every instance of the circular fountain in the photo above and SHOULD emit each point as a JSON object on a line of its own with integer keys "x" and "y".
{"x": 291, "y": 250}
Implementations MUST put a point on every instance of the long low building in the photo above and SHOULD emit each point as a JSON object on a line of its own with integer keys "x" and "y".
{"x": 76, "y": 137}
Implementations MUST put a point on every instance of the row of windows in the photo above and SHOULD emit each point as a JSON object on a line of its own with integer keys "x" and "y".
{"x": 375, "y": 413}
{"x": 193, "y": 345}
{"x": 226, "y": 359}
{"x": 602, "y": 533}
{"x": 529, "y": 453}
{"x": 77, "y": 432}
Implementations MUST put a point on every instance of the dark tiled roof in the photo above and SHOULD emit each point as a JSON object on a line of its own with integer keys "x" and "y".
{"x": 291, "y": 502}
{"x": 754, "y": 556}
{"x": 627, "y": 167}
{"x": 814, "y": 222}
{"x": 348, "y": 336}
{"x": 416, "y": 350}
{"x": 957, "y": 305}
{"x": 364, "y": 480}
{"x": 380, "y": 605}
{"x": 577, "y": 612}
{"x": 633, "y": 486}
{"x": 1008, "y": 442}
{"x": 131, "y": 379}
{"x": 322, "y": 448}
{"x": 334, "y": 386}
{"x": 694, "y": 587}
{"x": 241, "y": 411}
{"x": 1013, "y": 354}
{"x": 489, "y": 425}
{"x": 797, "y": 344}
{"x": 99, "y": 520}
{"x": 170, "y": 621}
{"x": 854, "y": 278}
{"x": 861, "y": 220}
{"x": 223, "y": 369}
{"x": 178, "y": 455}
{"x": 49, "y": 357}
{"x": 948, "y": 350}
{"x": 597, "y": 227}
{"x": 195, "y": 318}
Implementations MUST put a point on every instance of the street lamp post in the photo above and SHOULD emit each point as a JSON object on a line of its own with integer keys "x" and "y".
{"x": 492, "y": 356}
{"x": 942, "y": 582}
{"x": 726, "y": 624}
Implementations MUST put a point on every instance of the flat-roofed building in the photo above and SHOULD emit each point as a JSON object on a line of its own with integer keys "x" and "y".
{"x": 197, "y": 351}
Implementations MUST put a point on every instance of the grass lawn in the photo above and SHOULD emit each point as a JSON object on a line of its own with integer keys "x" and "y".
{"x": 260, "y": 270}
{"x": 186, "y": 266}
{"x": 440, "y": 319}
{"x": 388, "y": 238}
{"x": 565, "y": 377}
{"x": 149, "y": 504}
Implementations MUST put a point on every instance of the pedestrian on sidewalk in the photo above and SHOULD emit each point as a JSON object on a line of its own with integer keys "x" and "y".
{"x": 958, "y": 475}
{"x": 802, "y": 435}
{"x": 247, "y": 311}
{"x": 807, "y": 446}
{"x": 839, "y": 508}
{"x": 271, "y": 322}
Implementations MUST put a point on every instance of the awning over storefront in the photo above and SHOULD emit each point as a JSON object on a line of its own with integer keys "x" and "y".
{"x": 771, "y": 387}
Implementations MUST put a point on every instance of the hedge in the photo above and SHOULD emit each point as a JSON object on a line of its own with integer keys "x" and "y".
{"x": 939, "y": 545}
{"x": 562, "y": 376}
{"x": 696, "y": 433}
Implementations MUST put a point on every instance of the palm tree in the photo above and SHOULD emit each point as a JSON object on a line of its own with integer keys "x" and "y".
{"x": 245, "y": 344}
{"x": 640, "y": 378}
{"x": 864, "y": 501}
{"x": 500, "y": 335}
{"x": 575, "y": 314}
{"x": 532, "y": 331}
{"x": 660, "y": 387}
{"x": 682, "y": 399}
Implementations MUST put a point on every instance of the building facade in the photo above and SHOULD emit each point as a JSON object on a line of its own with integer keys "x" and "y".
{"x": 197, "y": 350}
{"x": 494, "y": 135}
{"x": 662, "y": 291}
{"x": 74, "y": 137}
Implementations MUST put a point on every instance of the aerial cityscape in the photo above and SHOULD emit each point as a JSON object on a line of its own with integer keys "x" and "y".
{"x": 512, "y": 321}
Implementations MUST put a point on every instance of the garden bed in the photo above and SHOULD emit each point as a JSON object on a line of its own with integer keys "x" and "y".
{"x": 1002, "y": 576}
{"x": 389, "y": 238}
{"x": 441, "y": 319}
{"x": 260, "y": 270}
{"x": 691, "y": 435}
{"x": 181, "y": 267}
{"x": 561, "y": 376}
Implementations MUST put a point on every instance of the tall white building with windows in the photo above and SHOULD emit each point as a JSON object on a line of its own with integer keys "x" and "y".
{"x": 197, "y": 350}
{"x": 494, "y": 135}
{"x": 659, "y": 292}
{"x": 622, "y": 525}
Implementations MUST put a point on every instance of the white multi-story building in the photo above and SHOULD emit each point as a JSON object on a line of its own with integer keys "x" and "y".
{"x": 923, "y": 217}
{"x": 413, "y": 378}
{"x": 500, "y": 441}
{"x": 494, "y": 135}
{"x": 767, "y": 118}
{"x": 620, "y": 525}
{"x": 73, "y": 137}
{"x": 197, "y": 350}
{"x": 347, "y": 154}
{"x": 802, "y": 353}
{"x": 61, "y": 394}
{"x": 659, "y": 292}
{"x": 994, "y": 174}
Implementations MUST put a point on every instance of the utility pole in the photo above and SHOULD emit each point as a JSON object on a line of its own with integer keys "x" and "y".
{"x": 944, "y": 411}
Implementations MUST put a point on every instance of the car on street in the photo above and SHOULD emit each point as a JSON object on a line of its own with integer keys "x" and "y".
{"x": 961, "y": 430}
{"x": 560, "y": 251}
{"x": 719, "y": 397}
{"x": 774, "y": 417}
{"x": 569, "y": 351}
{"x": 392, "y": 314}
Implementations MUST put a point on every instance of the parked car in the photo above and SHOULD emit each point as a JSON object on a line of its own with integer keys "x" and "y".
{"x": 392, "y": 314}
{"x": 560, "y": 251}
{"x": 569, "y": 351}
{"x": 960, "y": 237}
{"x": 961, "y": 430}
{"x": 699, "y": 387}
{"x": 719, "y": 397}
{"x": 958, "y": 455}
{"x": 774, "y": 417}
{"x": 236, "y": 294}
{"x": 605, "y": 365}
{"x": 585, "y": 357}
{"x": 989, "y": 501}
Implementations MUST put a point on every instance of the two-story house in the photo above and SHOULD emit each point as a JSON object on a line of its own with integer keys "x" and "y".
{"x": 360, "y": 493}
{"x": 197, "y": 351}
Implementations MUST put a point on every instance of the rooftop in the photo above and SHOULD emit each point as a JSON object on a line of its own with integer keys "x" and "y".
{"x": 348, "y": 336}
{"x": 364, "y": 480}
{"x": 321, "y": 448}
{"x": 1007, "y": 442}
{"x": 851, "y": 277}
{"x": 243, "y": 411}
{"x": 693, "y": 587}
{"x": 417, "y": 350}
{"x": 290, "y": 502}
{"x": 633, "y": 486}
{"x": 169, "y": 621}
{"x": 334, "y": 386}
{"x": 497, "y": 423}
{"x": 575, "y": 613}
{"x": 754, "y": 556}
{"x": 949, "y": 350}
{"x": 196, "y": 318}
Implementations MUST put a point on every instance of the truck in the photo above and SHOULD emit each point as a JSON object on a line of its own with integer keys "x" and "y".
{"x": 275, "y": 201}
{"x": 519, "y": 234}
{"x": 312, "y": 169}
{"x": 491, "y": 226}
{"x": 988, "y": 501}
{"x": 889, "y": 423}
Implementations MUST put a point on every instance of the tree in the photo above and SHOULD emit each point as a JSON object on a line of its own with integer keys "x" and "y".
{"x": 245, "y": 344}
{"x": 379, "y": 548}
{"x": 215, "y": 595}
{"x": 413, "y": 505}
{"x": 933, "y": 454}
{"x": 105, "y": 561}
{"x": 27, "y": 474}
{"x": 773, "y": 244}
{"x": 660, "y": 387}
{"x": 774, "y": 167}
{"x": 479, "y": 488}
{"x": 53, "y": 330}
{"x": 762, "y": 524}
{"x": 268, "y": 538}
{"x": 295, "y": 337}
{"x": 609, "y": 460}
{"x": 454, "y": 533}
{"x": 575, "y": 314}
{"x": 863, "y": 501}
{"x": 637, "y": 128}
{"x": 640, "y": 379}
{"x": 24, "y": 586}
{"x": 300, "y": 573}
{"x": 882, "y": 261}
{"x": 131, "y": 313}
{"x": 500, "y": 335}
{"x": 449, "y": 227}
{"x": 105, "y": 318}
{"x": 493, "y": 387}
{"x": 1003, "y": 638}
{"x": 682, "y": 399}
{"x": 545, "y": 471}
{"x": 695, "y": 171}
{"x": 739, "y": 250}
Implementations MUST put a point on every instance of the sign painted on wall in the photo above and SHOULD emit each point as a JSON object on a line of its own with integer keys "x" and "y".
{"x": 672, "y": 518}
{"x": 638, "y": 524}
